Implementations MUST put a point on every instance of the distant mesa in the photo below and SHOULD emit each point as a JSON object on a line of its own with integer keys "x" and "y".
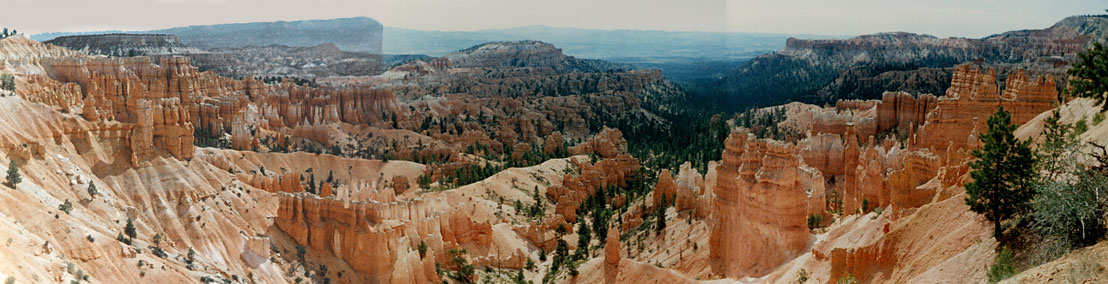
{"x": 124, "y": 44}
{"x": 528, "y": 53}
{"x": 238, "y": 62}
{"x": 863, "y": 67}
{"x": 360, "y": 34}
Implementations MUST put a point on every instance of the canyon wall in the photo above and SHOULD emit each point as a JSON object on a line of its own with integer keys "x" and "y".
{"x": 899, "y": 153}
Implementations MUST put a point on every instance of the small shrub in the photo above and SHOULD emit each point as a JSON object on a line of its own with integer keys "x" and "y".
{"x": 129, "y": 229}
{"x": 66, "y": 206}
{"x": 92, "y": 190}
{"x": 1097, "y": 118}
{"x": 847, "y": 279}
{"x": 1072, "y": 213}
{"x": 422, "y": 249}
{"x": 158, "y": 252}
{"x": 191, "y": 256}
{"x": 801, "y": 276}
{"x": 815, "y": 221}
{"x": 1002, "y": 267}
{"x": 122, "y": 239}
{"x": 300, "y": 251}
{"x": 13, "y": 177}
{"x": 1080, "y": 127}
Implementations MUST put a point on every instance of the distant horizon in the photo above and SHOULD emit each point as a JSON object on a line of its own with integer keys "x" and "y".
{"x": 136, "y": 31}
{"x": 940, "y": 18}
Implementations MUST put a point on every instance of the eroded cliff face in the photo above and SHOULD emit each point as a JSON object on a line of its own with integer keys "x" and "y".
{"x": 900, "y": 154}
{"x": 164, "y": 105}
{"x": 973, "y": 96}
{"x": 759, "y": 210}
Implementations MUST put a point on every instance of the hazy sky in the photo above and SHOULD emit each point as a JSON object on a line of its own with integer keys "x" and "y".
{"x": 969, "y": 18}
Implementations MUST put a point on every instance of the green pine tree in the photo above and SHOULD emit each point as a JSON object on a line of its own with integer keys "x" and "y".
{"x": 66, "y": 206}
{"x": 1002, "y": 173}
{"x": 92, "y": 190}
{"x": 1057, "y": 148}
{"x": 583, "y": 237}
{"x": 129, "y": 229}
{"x": 1090, "y": 74}
{"x": 13, "y": 174}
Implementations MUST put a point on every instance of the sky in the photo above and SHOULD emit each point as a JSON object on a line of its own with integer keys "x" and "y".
{"x": 943, "y": 18}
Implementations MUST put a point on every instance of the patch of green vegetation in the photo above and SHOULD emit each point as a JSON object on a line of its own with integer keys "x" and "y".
{"x": 1002, "y": 267}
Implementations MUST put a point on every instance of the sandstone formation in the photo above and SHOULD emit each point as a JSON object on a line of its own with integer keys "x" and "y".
{"x": 576, "y": 188}
{"x": 759, "y": 213}
{"x": 607, "y": 144}
{"x": 973, "y": 96}
{"x": 611, "y": 249}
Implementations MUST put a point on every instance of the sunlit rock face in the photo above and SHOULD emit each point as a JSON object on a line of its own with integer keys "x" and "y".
{"x": 759, "y": 211}
{"x": 973, "y": 96}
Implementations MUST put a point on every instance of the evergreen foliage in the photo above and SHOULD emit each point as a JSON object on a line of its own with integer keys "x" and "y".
{"x": 13, "y": 177}
{"x": 466, "y": 272}
{"x": 66, "y": 206}
{"x": 7, "y": 82}
{"x": 1090, "y": 74}
{"x": 583, "y": 238}
{"x": 1070, "y": 200}
{"x": 92, "y": 192}
{"x": 1002, "y": 173}
{"x": 129, "y": 229}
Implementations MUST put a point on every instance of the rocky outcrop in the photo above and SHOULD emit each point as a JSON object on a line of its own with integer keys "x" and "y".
{"x": 575, "y": 189}
{"x": 611, "y": 249}
{"x": 117, "y": 90}
{"x": 973, "y": 96}
{"x": 289, "y": 182}
{"x": 691, "y": 192}
{"x": 534, "y": 54}
{"x": 607, "y": 144}
{"x": 553, "y": 143}
{"x": 169, "y": 102}
{"x": 759, "y": 210}
{"x": 665, "y": 190}
{"x": 371, "y": 237}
